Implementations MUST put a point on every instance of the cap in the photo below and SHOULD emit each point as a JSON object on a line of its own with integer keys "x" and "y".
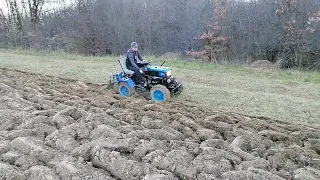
{"x": 134, "y": 44}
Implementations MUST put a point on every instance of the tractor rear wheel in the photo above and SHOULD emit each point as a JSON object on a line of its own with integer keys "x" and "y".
{"x": 125, "y": 90}
{"x": 159, "y": 93}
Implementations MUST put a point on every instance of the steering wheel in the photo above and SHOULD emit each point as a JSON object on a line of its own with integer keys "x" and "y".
{"x": 145, "y": 63}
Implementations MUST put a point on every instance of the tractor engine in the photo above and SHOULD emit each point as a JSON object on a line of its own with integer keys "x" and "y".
{"x": 162, "y": 75}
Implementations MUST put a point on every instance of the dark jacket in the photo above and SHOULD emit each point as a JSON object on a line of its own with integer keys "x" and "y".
{"x": 132, "y": 58}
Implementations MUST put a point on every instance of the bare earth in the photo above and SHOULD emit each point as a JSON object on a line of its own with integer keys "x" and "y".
{"x": 53, "y": 128}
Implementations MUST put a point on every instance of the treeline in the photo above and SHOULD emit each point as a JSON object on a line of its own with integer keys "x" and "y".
{"x": 287, "y": 31}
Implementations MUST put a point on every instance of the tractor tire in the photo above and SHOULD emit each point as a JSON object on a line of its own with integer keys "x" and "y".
{"x": 160, "y": 93}
{"x": 125, "y": 90}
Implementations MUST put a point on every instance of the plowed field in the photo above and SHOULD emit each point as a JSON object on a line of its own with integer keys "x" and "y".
{"x": 53, "y": 128}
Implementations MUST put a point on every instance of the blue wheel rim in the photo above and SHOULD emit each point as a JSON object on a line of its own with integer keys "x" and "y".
{"x": 124, "y": 91}
{"x": 158, "y": 95}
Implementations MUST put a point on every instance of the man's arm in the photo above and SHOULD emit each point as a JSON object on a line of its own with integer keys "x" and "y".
{"x": 131, "y": 58}
{"x": 139, "y": 56}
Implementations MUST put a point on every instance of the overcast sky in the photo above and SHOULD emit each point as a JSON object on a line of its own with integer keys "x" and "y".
{"x": 50, "y": 4}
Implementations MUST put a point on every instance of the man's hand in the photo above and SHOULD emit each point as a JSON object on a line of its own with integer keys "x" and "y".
{"x": 144, "y": 62}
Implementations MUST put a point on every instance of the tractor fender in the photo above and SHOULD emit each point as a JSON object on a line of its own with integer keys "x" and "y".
{"x": 119, "y": 79}
{"x": 129, "y": 81}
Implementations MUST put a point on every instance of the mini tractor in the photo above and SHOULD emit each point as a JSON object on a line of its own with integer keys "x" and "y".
{"x": 160, "y": 83}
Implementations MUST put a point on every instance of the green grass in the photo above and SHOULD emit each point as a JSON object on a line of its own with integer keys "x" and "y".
{"x": 287, "y": 95}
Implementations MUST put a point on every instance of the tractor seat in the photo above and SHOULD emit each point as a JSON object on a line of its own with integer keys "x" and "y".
{"x": 124, "y": 66}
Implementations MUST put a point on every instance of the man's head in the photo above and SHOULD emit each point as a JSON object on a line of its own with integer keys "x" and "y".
{"x": 134, "y": 46}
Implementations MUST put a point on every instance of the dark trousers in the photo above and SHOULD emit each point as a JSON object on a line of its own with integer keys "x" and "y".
{"x": 136, "y": 73}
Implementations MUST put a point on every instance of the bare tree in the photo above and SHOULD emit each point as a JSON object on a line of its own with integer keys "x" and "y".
{"x": 35, "y": 7}
{"x": 14, "y": 13}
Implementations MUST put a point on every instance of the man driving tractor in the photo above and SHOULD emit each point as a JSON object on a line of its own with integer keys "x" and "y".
{"x": 157, "y": 80}
{"x": 133, "y": 63}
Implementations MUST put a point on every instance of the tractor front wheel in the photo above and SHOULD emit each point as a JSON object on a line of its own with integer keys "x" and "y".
{"x": 125, "y": 90}
{"x": 159, "y": 93}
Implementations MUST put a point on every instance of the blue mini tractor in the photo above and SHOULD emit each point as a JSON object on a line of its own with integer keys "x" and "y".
{"x": 159, "y": 81}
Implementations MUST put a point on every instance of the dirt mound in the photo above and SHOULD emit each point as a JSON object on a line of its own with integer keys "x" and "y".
{"x": 53, "y": 128}
{"x": 263, "y": 64}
